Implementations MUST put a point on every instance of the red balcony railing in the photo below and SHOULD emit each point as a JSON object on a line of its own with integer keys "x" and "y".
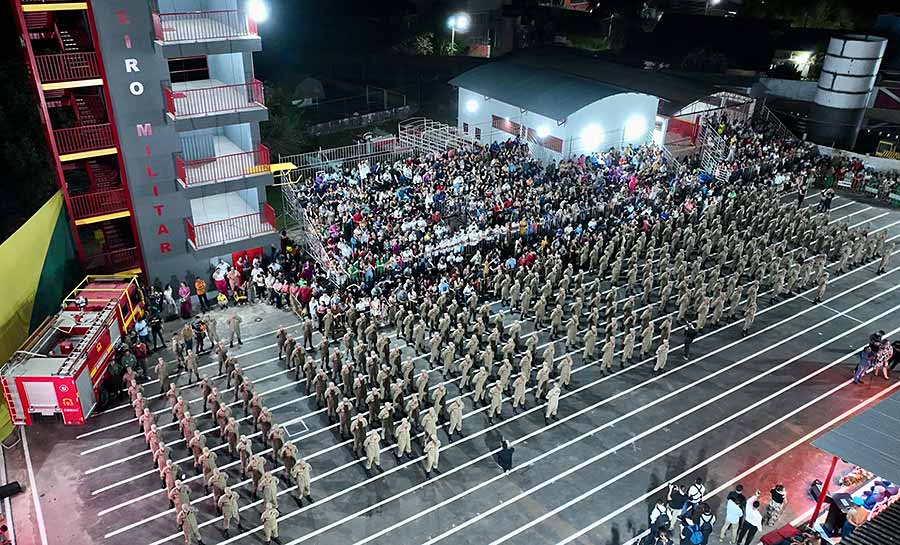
{"x": 202, "y": 25}
{"x": 83, "y": 138}
{"x": 210, "y": 100}
{"x": 214, "y": 233}
{"x": 92, "y": 204}
{"x": 117, "y": 260}
{"x": 67, "y": 67}
{"x": 223, "y": 167}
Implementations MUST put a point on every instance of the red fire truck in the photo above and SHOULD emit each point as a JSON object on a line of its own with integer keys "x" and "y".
{"x": 62, "y": 367}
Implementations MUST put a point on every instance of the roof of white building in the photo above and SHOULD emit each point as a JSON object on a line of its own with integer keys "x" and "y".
{"x": 543, "y": 91}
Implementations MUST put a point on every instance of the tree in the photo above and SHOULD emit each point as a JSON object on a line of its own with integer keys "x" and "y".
{"x": 419, "y": 44}
{"x": 284, "y": 132}
{"x": 835, "y": 14}
{"x": 29, "y": 179}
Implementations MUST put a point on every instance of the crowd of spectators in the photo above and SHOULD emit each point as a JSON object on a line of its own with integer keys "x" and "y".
{"x": 405, "y": 230}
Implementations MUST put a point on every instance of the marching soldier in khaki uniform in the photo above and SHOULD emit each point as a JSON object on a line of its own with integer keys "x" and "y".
{"x": 627, "y": 347}
{"x": 256, "y": 466}
{"x": 288, "y": 455}
{"x": 301, "y": 473}
{"x": 478, "y": 382}
{"x": 217, "y": 483}
{"x": 386, "y": 416}
{"x": 571, "y": 332}
{"x": 187, "y": 520}
{"x": 180, "y": 495}
{"x": 162, "y": 374}
{"x": 358, "y": 428}
{"x": 543, "y": 377}
{"x": 228, "y": 506}
{"x": 609, "y": 349}
{"x": 401, "y": 432}
{"x": 345, "y": 413}
{"x": 647, "y": 339}
{"x": 234, "y": 322}
{"x": 503, "y": 375}
{"x": 565, "y": 372}
{"x": 590, "y": 338}
{"x": 518, "y": 393}
{"x": 214, "y": 401}
{"x": 268, "y": 488}
{"x": 432, "y": 455}
{"x": 466, "y": 366}
{"x": 822, "y": 285}
{"x": 496, "y": 406}
{"x": 170, "y": 473}
{"x": 662, "y": 355}
{"x": 230, "y": 433}
{"x": 552, "y": 402}
{"x": 555, "y": 321}
{"x": 749, "y": 316}
{"x": 269, "y": 519}
{"x": 276, "y": 441}
{"x": 208, "y": 462}
{"x": 428, "y": 421}
{"x": 197, "y": 443}
{"x": 373, "y": 451}
{"x": 237, "y": 378}
{"x": 193, "y": 370}
{"x": 280, "y": 338}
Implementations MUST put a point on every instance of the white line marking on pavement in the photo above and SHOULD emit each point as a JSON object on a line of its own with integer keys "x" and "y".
{"x": 866, "y": 209}
{"x": 7, "y": 504}
{"x": 688, "y": 440}
{"x": 649, "y": 431}
{"x": 527, "y": 412}
{"x": 35, "y": 496}
{"x": 175, "y": 377}
{"x": 636, "y": 539}
{"x": 620, "y": 394}
{"x": 867, "y": 220}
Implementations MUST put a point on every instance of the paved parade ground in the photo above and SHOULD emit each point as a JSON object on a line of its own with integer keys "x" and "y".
{"x": 742, "y": 409}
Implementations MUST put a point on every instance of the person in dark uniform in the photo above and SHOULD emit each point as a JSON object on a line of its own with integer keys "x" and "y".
{"x": 690, "y": 333}
{"x": 505, "y": 456}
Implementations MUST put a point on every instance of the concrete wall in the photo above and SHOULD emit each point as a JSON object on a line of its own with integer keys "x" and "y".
{"x": 615, "y": 116}
{"x": 791, "y": 89}
{"x": 607, "y": 117}
{"x": 137, "y": 101}
{"x": 160, "y": 205}
{"x": 228, "y": 68}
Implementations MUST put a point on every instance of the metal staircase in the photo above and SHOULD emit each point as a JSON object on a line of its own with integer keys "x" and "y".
{"x": 713, "y": 151}
{"x": 305, "y": 233}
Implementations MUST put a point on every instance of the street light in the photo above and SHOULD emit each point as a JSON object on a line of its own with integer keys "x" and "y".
{"x": 543, "y": 131}
{"x": 708, "y": 4}
{"x": 257, "y": 10}
{"x": 459, "y": 22}
{"x": 471, "y": 105}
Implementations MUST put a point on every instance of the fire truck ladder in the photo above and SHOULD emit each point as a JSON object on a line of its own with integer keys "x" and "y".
{"x": 16, "y": 410}
{"x": 68, "y": 366}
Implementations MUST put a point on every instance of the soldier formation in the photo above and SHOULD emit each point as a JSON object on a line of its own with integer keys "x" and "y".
{"x": 607, "y": 296}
